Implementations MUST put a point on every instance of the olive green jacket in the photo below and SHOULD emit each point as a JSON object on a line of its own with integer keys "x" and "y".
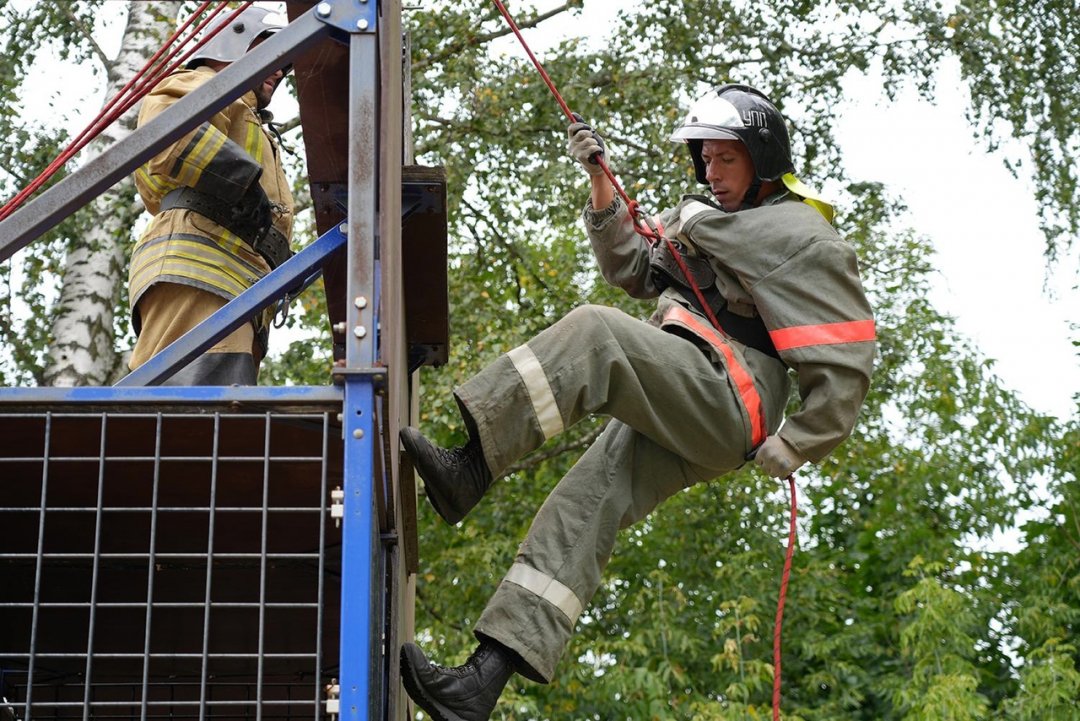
{"x": 785, "y": 263}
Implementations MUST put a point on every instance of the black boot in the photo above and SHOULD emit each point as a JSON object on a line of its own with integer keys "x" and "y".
{"x": 455, "y": 479}
{"x": 464, "y": 693}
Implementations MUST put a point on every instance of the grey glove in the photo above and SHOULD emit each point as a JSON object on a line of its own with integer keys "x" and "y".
{"x": 585, "y": 145}
{"x": 777, "y": 458}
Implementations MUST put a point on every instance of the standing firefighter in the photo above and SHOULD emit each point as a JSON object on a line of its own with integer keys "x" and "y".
{"x": 688, "y": 403}
{"x": 223, "y": 214}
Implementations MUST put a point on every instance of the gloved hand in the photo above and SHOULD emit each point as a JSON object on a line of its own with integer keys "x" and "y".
{"x": 777, "y": 458}
{"x": 584, "y": 145}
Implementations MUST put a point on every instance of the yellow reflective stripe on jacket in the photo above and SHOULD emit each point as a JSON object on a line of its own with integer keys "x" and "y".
{"x": 253, "y": 144}
{"x": 174, "y": 268}
{"x": 182, "y": 272}
{"x": 193, "y": 162}
{"x": 187, "y": 258}
{"x": 153, "y": 182}
{"x": 196, "y": 250}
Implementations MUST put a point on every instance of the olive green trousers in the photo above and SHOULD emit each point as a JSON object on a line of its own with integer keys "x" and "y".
{"x": 678, "y": 421}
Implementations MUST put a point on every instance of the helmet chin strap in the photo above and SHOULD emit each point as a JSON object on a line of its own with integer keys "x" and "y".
{"x": 750, "y": 199}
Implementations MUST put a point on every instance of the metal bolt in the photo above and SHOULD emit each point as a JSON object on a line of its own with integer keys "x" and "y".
{"x": 358, "y": 433}
{"x": 361, "y": 302}
{"x": 360, "y": 331}
{"x": 324, "y": 10}
{"x": 343, "y": 228}
{"x": 362, "y": 24}
{"x": 339, "y": 327}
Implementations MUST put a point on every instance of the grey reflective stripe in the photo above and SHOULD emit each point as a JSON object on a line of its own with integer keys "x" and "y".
{"x": 691, "y": 210}
{"x": 536, "y": 383}
{"x": 546, "y": 588}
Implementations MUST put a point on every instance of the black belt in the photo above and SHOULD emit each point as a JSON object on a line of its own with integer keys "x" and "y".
{"x": 264, "y": 238}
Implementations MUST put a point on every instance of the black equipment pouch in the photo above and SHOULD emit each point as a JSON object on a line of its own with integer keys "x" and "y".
{"x": 666, "y": 270}
{"x": 250, "y": 219}
{"x": 273, "y": 247}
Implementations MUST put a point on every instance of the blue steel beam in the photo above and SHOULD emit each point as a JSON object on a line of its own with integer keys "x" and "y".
{"x": 361, "y": 571}
{"x": 171, "y": 395}
{"x": 238, "y": 311}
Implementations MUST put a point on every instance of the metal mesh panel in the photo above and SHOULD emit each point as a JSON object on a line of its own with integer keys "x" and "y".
{"x": 168, "y": 565}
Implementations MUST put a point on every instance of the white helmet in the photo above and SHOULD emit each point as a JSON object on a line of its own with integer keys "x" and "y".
{"x": 738, "y": 112}
{"x": 232, "y": 42}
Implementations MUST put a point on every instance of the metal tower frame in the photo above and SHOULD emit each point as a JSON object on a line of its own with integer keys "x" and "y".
{"x": 372, "y": 388}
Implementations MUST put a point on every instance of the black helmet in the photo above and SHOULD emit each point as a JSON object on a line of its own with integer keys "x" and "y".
{"x": 739, "y": 112}
{"x": 231, "y": 43}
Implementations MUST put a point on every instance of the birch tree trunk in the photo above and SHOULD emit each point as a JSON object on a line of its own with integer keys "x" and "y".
{"x": 83, "y": 350}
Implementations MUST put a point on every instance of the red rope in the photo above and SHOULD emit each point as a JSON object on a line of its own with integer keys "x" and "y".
{"x": 135, "y": 89}
{"x": 642, "y": 225}
{"x": 645, "y": 228}
{"x": 785, "y": 577}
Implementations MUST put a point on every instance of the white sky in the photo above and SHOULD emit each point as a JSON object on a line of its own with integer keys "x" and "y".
{"x": 980, "y": 219}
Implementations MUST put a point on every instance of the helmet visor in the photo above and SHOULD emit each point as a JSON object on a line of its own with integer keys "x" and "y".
{"x": 711, "y": 118}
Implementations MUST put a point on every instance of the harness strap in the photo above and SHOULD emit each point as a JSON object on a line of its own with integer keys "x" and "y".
{"x": 679, "y": 317}
{"x": 667, "y": 274}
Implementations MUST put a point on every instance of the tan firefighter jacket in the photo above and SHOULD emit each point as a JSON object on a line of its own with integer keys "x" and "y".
{"x": 222, "y": 158}
{"x": 785, "y": 263}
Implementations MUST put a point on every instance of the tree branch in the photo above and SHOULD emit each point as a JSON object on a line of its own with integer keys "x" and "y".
{"x": 20, "y": 180}
{"x": 288, "y": 125}
{"x": 88, "y": 34}
{"x": 510, "y": 247}
{"x": 456, "y": 48}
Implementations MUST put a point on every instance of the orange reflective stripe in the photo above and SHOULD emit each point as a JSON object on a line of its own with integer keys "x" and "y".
{"x": 744, "y": 382}
{"x": 800, "y": 336}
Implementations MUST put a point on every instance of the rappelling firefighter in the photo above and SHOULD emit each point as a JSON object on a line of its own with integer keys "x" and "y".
{"x": 688, "y": 402}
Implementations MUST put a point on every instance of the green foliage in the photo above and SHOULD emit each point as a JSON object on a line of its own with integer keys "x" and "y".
{"x": 307, "y": 359}
{"x": 896, "y": 609}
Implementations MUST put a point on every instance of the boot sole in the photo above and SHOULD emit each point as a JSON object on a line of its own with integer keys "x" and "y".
{"x": 433, "y": 708}
{"x": 437, "y": 501}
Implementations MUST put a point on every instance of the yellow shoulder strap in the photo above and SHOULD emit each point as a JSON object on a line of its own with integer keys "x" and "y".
{"x": 809, "y": 196}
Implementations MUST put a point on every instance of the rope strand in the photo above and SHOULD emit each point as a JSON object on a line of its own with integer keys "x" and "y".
{"x": 135, "y": 89}
{"x": 784, "y": 578}
{"x": 641, "y": 224}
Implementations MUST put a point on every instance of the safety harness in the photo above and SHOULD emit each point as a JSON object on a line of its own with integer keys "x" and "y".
{"x": 667, "y": 272}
